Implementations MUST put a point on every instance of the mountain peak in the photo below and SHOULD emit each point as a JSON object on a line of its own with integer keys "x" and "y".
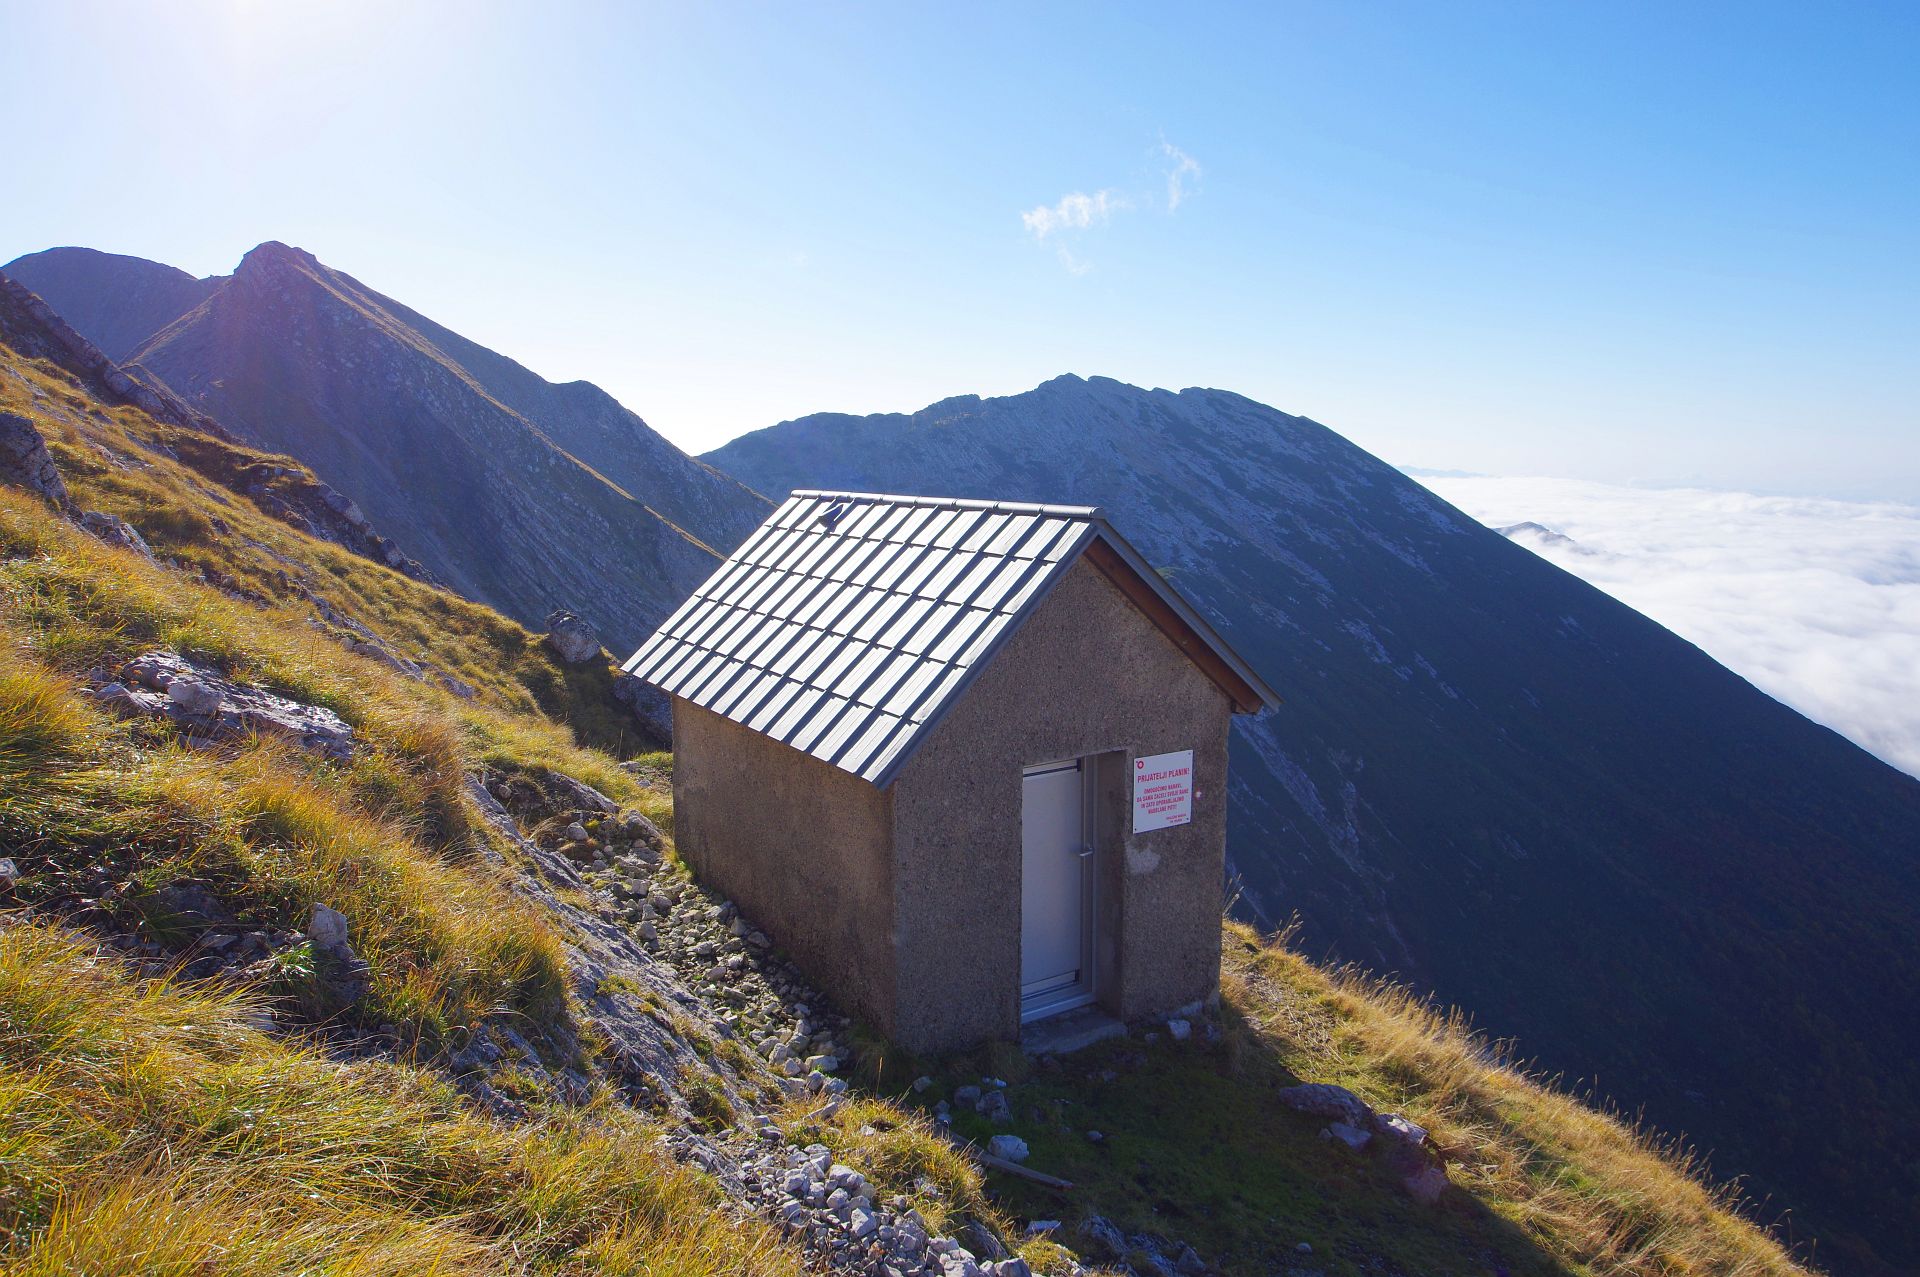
{"x": 1096, "y": 385}
{"x": 274, "y": 253}
{"x": 515, "y": 491}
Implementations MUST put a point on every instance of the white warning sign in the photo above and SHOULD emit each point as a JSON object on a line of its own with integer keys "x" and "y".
{"x": 1162, "y": 791}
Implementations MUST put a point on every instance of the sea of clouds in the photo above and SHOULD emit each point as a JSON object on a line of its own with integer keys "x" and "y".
{"x": 1816, "y": 602}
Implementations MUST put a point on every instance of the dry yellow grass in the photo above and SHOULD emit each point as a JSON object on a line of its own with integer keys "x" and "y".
{"x": 1588, "y": 1187}
{"x": 897, "y": 1151}
{"x": 147, "y": 1129}
{"x": 183, "y": 504}
{"x": 386, "y": 839}
{"x": 901, "y": 1152}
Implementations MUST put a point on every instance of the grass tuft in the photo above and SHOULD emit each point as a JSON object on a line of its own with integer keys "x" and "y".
{"x": 1591, "y": 1189}
{"x": 147, "y": 1129}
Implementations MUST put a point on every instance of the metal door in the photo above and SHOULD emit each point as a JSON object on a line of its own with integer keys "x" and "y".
{"x": 1053, "y": 891}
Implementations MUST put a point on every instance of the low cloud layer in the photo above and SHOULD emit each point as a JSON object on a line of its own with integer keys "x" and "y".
{"x": 1816, "y": 602}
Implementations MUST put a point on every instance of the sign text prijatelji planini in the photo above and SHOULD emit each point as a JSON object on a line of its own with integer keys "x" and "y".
{"x": 1162, "y": 791}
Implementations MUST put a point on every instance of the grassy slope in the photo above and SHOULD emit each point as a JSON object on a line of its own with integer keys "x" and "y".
{"x": 124, "y": 1102}
{"x": 148, "y": 1128}
{"x": 1196, "y": 1149}
{"x": 176, "y": 504}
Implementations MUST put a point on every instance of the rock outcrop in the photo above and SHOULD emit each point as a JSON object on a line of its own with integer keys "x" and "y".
{"x": 36, "y": 330}
{"x": 26, "y": 463}
{"x": 652, "y": 708}
{"x": 343, "y": 974}
{"x": 208, "y": 706}
{"x": 1323, "y": 1099}
{"x": 572, "y": 639}
{"x": 1402, "y": 1145}
{"x": 115, "y": 530}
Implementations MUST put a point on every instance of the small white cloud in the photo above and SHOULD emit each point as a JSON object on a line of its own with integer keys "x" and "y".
{"x": 1817, "y": 602}
{"x": 1182, "y": 169}
{"x": 1075, "y": 212}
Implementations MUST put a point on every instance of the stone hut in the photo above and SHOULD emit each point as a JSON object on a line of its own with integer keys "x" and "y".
{"x": 965, "y": 761}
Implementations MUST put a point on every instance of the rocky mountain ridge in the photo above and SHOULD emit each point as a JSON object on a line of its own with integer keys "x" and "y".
{"x": 287, "y": 492}
{"x": 514, "y": 491}
{"x": 117, "y": 301}
{"x": 31, "y": 327}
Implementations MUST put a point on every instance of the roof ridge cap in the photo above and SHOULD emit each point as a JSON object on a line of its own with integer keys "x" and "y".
{"x": 958, "y": 503}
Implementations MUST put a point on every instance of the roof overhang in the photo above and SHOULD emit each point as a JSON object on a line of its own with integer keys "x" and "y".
{"x": 1177, "y": 619}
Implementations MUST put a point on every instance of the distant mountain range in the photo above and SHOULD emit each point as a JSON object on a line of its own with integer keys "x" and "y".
{"x": 520, "y": 493}
{"x": 1487, "y": 776}
{"x": 1498, "y": 781}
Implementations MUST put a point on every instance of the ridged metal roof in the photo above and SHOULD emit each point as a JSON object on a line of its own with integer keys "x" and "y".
{"x": 848, "y": 623}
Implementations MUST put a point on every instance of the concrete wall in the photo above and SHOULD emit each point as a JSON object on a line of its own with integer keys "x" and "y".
{"x": 1087, "y": 673}
{"x": 801, "y": 846}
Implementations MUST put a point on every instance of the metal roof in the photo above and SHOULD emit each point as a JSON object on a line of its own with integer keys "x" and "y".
{"x": 848, "y": 623}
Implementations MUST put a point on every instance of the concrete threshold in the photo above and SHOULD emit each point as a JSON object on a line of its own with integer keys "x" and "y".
{"x": 1072, "y": 1031}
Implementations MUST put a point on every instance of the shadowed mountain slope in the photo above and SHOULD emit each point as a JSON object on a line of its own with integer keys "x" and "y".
{"x": 515, "y": 491}
{"x": 116, "y": 301}
{"x": 1498, "y": 781}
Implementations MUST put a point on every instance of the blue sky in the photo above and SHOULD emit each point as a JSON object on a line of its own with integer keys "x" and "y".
{"x": 1651, "y": 244}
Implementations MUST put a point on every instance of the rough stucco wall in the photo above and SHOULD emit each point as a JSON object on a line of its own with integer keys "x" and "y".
{"x": 1087, "y": 673}
{"x": 799, "y": 845}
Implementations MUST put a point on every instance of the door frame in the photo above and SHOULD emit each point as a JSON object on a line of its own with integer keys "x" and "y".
{"x": 1084, "y": 991}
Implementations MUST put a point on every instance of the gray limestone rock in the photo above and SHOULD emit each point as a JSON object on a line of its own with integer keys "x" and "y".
{"x": 571, "y": 638}
{"x": 240, "y": 709}
{"x": 1323, "y": 1099}
{"x": 1352, "y": 1136}
{"x": 1010, "y": 1148}
{"x": 386, "y": 656}
{"x": 1395, "y": 1127}
{"x": 327, "y": 927}
{"x": 1111, "y": 1242}
{"x": 188, "y": 904}
{"x": 464, "y": 690}
{"x": 981, "y": 1240}
{"x": 115, "y": 530}
{"x": 25, "y": 461}
{"x": 652, "y": 708}
{"x": 201, "y": 700}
